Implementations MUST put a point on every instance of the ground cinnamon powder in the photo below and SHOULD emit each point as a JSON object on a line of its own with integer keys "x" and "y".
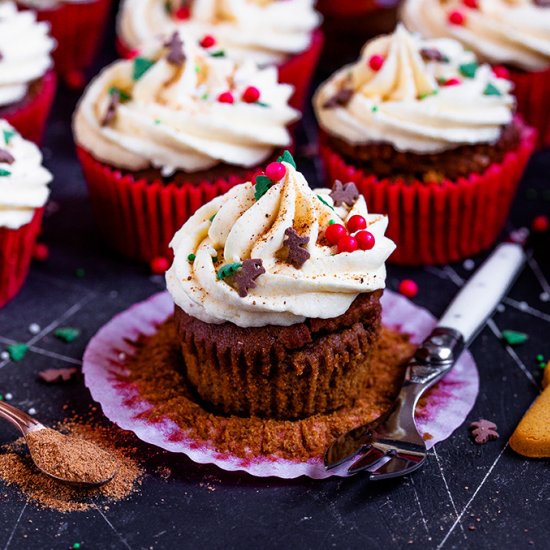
{"x": 156, "y": 371}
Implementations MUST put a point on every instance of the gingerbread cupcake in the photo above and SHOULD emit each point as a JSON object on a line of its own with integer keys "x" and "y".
{"x": 27, "y": 82}
{"x": 23, "y": 194}
{"x": 268, "y": 32}
{"x": 160, "y": 136}
{"x": 429, "y": 136}
{"x": 277, "y": 295}
{"x": 513, "y": 35}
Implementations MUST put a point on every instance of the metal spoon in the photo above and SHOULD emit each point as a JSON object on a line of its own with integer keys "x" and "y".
{"x": 27, "y": 425}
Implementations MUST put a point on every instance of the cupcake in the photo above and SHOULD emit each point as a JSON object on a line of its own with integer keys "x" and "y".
{"x": 277, "y": 295}
{"x": 158, "y": 137}
{"x": 23, "y": 194}
{"x": 27, "y": 83}
{"x": 268, "y": 32}
{"x": 77, "y": 26}
{"x": 429, "y": 136}
{"x": 513, "y": 35}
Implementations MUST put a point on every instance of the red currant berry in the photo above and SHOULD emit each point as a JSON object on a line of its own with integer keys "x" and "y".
{"x": 376, "y": 62}
{"x": 500, "y": 71}
{"x": 275, "y": 171}
{"x": 356, "y": 223}
{"x": 182, "y": 13}
{"x": 335, "y": 232}
{"x": 452, "y": 82}
{"x": 540, "y": 224}
{"x": 40, "y": 252}
{"x": 208, "y": 41}
{"x": 347, "y": 244}
{"x": 226, "y": 97}
{"x": 471, "y": 4}
{"x": 408, "y": 288}
{"x": 365, "y": 240}
{"x": 251, "y": 94}
{"x": 159, "y": 265}
{"x": 456, "y": 18}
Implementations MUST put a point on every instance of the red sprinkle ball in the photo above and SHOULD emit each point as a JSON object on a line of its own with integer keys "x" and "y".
{"x": 471, "y": 4}
{"x": 275, "y": 171}
{"x": 376, "y": 62}
{"x": 365, "y": 240}
{"x": 251, "y": 94}
{"x": 76, "y": 80}
{"x": 408, "y": 288}
{"x": 335, "y": 232}
{"x": 208, "y": 41}
{"x": 452, "y": 82}
{"x": 182, "y": 13}
{"x": 540, "y": 224}
{"x": 159, "y": 265}
{"x": 500, "y": 71}
{"x": 347, "y": 244}
{"x": 226, "y": 97}
{"x": 456, "y": 18}
{"x": 356, "y": 223}
{"x": 40, "y": 252}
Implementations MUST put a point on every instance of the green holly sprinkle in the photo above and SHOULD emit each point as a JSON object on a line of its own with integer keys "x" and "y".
{"x": 263, "y": 183}
{"x": 124, "y": 96}
{"x": 191, "y": 257}
{"x": 287, "y": 157}
{"x": 491, "y": 89}
{"x": 468, "y": 69}
{"x": 221, "y": 53}
{"x": 214, "y": 259}
{"x": 261, "y": 104}
{"x": 141, "y": 66}
{"x": 17, "y": 351}
{"x": 227, "y": 270}
{"x": 204, "y": 96}
{"x": 4, "y": 172}
{"x": 374, "y": 108}
{"x": 211, "y": 218}
{"x": 331, "y": 222}
{"x": 514, "y": 338}
{"x": 325, "y": 202}
{"x": 8, "y": 135}
{"x": 67, "y": 334}
{"x": 157, "y": 121}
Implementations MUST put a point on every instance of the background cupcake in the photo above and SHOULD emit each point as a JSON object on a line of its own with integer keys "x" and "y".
{"x": 269, "y": 32}
{"x": 277, "y": 292}
{"x": 77, "y": 26}
{"x": 27, "y": 83}
{"x": 430, "y": 138}
{"x": 514, "y": 35}
{"x": 23, "y": 194}
{"x": 158, "y": 137}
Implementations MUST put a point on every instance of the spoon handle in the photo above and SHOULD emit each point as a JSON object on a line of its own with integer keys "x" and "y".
{"x": 21, "y": 420}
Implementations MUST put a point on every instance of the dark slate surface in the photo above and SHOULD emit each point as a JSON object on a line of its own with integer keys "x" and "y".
{"x": 466, "y": 497}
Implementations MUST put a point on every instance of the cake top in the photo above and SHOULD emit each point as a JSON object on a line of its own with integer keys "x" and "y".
{"x": 514, "y": 32}
{"x": 266, "y": 31}
{"x": 185, "y": 108}
{"x": 25, "y": 47}
{"x": 23, "y": 179}
{"x": 422, "y": 96}
{"x": 274, "y": 252}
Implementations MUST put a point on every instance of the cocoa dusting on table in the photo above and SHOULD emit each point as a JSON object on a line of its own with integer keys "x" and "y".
{"x": 16, "y": 468}
{"x": 156, "y": 372}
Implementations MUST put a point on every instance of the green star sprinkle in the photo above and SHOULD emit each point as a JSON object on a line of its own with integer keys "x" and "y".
{"x": 8, "y": 134}
{"x": 514, "y": 338}
{"x": 227, "y": 270}
{"x": 191, "y": 257}
{"x": 141, "y": 66}
{"x": 325, "y": 202}
{"x": 124, "y": 96}
{"x": 17, "y": 351}
{"x": 263, "y": 183}
{"x": 468, "y": 69}
{"x": 287, "y": 157}
{"x": 4, "y": 172}
{"x": 491, "y": 89}
{"x": 67, "y": 334}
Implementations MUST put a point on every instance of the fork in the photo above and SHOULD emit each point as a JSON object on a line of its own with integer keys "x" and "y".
{"x": 391, "y": 446}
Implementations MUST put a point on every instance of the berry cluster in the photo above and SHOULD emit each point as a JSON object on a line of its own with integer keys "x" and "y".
{"x": 352, "y": 237}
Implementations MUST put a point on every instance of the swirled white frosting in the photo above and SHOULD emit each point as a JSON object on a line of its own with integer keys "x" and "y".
{"x": 173, "y": 119}
{"x": 23, "y": 182}
{"x": 25, "y": 47}
{"x": 515, "y": 32}
{"x": 266, "y": 31}
{"x": 406, "y": 102}
{"x": 245, "y": 228}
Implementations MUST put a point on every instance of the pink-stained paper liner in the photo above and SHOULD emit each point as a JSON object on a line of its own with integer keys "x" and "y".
{"x": 16, "y": 248}
{"x": 29, "y": 117}
{"x": 438, "y": 223}
{"x": 444, "y": 410}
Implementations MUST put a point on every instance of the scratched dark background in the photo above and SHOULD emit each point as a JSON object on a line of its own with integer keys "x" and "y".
{"x": 467, "y": 496}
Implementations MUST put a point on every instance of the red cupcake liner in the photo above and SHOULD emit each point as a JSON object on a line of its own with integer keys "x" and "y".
{"x": 139, "y": 217}
{"x": 298, "y": 70}
{"x": 347, "y": 8}
{"x": 29, "y": 119}
{"x": 16, "y": 248}
{"x": 532, "y": 90}
{"x": 78, "y": 28}
{"x": 440, "y": 223}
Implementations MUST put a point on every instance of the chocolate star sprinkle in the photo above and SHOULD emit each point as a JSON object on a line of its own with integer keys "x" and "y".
{"x": 175, "y": 54}
{"x": 246, "y": 276}
{"x": 110, "y": 113}
{"x": 297, "y": 255}
{"x": 344, "y": 193}
{"x": 51, "y": 376}
{"x": 340, "y": 99}
{"x": 6, "y": 156}
{"x": 483, "y": 431}
{"x": 433, "y": 54}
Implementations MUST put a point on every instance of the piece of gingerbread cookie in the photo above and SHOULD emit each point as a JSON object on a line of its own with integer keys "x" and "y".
{"x": 532, "y": 436}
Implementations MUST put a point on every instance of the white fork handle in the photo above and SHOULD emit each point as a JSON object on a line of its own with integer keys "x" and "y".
{"x": 484, "y": 291}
